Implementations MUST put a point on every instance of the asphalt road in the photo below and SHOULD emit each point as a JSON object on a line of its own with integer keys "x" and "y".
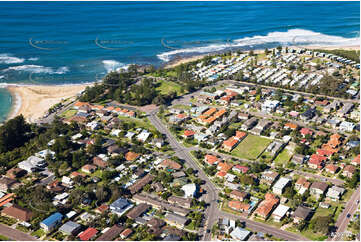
{"x": 343, "y": 220}
{"x": 264, "y": 228}
{"x": 212, "y": 214}
{"x": 15, "y": 234}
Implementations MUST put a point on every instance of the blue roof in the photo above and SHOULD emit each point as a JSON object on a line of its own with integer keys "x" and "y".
{"x": 55, "y": 217}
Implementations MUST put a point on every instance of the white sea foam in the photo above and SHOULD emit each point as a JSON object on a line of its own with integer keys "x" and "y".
{"x": 33, "y": 59}
{"x": 8, "y": 59}
{"x": 112, "y": 65}
{"x": 38, "y": 69}
{"x": 291, "y": 37}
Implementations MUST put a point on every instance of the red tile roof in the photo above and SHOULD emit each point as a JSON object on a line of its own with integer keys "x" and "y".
{"x": 211, "y": 159}
{"x": 88, "y": 234}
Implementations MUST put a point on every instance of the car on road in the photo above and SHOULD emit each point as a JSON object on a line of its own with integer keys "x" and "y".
{"x": 348, "y": 215}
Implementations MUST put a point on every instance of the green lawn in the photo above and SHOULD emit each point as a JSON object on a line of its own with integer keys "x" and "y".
{"x": 168, "y": 86}
{"x": 283, "y": 158}
{"x": 69, "y": 113}
{"x": 4, "y": 238}
{"x": 251, "y": 147}
{"x": 139, "y": 123}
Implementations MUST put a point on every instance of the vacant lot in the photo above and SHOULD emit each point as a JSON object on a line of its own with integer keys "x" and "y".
{"x": 165, "y": 87}
{"x": 69, "y": 113}
{"x": 251, "y": 147}
{"x": 283, "y": 158}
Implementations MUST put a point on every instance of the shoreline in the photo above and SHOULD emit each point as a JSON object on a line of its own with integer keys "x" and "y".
{"x": 33, "y": 101}
{"x": 183, "y": 60}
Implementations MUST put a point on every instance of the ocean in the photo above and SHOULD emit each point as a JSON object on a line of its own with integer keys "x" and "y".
{"x": 75, "y": 42}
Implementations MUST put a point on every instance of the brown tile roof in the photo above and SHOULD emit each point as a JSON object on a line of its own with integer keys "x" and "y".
{"x": 170, "y": 164}
{"x": 111, "y": 233}
{"x": 17, "y": 212}
{"x": 130, "y": 156}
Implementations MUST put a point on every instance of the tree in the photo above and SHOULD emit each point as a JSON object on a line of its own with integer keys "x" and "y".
{"x": 322, "y": 224}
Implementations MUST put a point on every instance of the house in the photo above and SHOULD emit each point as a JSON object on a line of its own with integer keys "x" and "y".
{"x": 125, "y": 234}
{"x": 269, "y": 177}
{"x": 240, "y": 234}
{"x": 158, "y": 204}
{"x": 335, "y": 193}
{"x": 158, "y": 142}
{"x": 70, "y": 228}
{"x": 189, "y": 190}
{"x": 88, "y": 168}
{"x": 316, "y": 161}
{"x": 308, "y": 114}
{"x": 210, "y": 159}
{"x": 270, "y": 106}
{"x": 356, "y": 161}
{"x": 102, "y": 208}
{"x": 229, "y": 144}
{"x": 243, "y": 116}
{"x": 143, "y": 136}
{"x": 346, "y": 126}
{"x": 250, "y": 123}
{"x": 302, "y": 185}
{"x": 33, "y": 163}
{"x": 176, "y": 220}
{"x": 51, "y": 222}
{"x": 280, "y": 185}
{"x": 17, "y": 212}
{"x": 348, "y": 171}
{"x": 111, "y": 233}
{"x": 100, "y": 162}
{"x": 188, "y": 134}
{"x": 170, "y": 164}
{"x": 240, "y": 169}
{"x": 347, "y": 107}
{"x": 238, "y": 195}
{"x": 137, "y": 186}
{"x": 239, "y": 206}
{"x": 318, "y": 188}
{"x": 275, "y": 147}
{"x": 180, "y": 201}
{"x": 306, "y": 131}
{"x": 302, "y": 214}
{"x": 266, "y": 206}
{"x": 331, "y": 168}
{"x": 280, "y": 212}
{"x": 298, "y": 159}
{"x": 291, "y": 126}
{"x": 224, "y": 166}
{"x": 15, "y": 173}
{"x": 138, "y": 210}
{"x": 88, "y": 234}
{"x": 131, "y": 156}
{"x": 8, "y": 183}
{"x": 120, "y": 206}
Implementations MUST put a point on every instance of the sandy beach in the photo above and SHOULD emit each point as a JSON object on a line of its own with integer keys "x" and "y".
{"x": 32, "y": 101}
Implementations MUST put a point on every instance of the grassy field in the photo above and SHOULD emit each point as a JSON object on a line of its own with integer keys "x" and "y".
{"x": 251, "y": 147}
{"x": 139, "y": 123}
{"x": 168, "y": 86}
{"x": 69, "y": 113}
{"x": 283, "y": 158}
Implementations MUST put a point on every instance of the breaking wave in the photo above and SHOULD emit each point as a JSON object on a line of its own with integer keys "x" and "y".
{"x": 291, "y": 37}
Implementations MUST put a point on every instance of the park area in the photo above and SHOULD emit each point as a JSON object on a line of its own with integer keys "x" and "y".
{"x": 251, "y": 147}
{"x": 166, "y": 87}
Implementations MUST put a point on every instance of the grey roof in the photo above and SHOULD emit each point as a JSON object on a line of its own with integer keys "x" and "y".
{"x": 69, "y": 227}
{"x": 302, "y": 212}
{"x": 176, "y": 218}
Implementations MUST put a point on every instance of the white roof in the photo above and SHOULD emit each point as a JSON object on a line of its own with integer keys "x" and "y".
{"x": 189, "y": 189}
{"x": 282, "y": 182}
{"x": 281, "y": 210}
{"x": 70, "y": 214}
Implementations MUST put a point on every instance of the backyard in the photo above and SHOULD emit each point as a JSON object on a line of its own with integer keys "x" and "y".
{"x": 251, "y": 147}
